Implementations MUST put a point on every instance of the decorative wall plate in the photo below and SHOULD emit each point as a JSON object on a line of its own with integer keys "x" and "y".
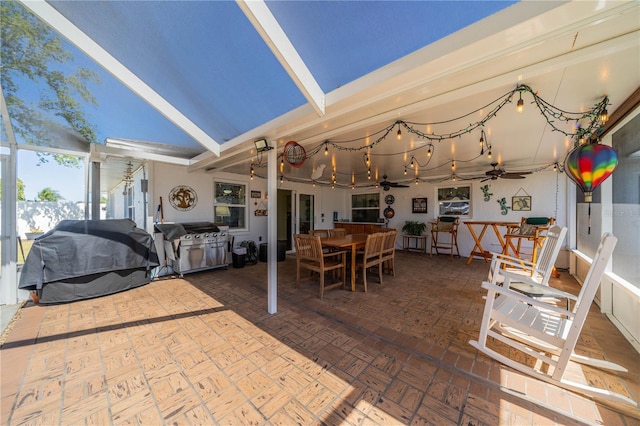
{"x": 183, "y": 197}
{"x": 389, "y": 212}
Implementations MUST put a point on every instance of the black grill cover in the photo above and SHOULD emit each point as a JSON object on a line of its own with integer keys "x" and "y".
{"x": 89, "y": 248}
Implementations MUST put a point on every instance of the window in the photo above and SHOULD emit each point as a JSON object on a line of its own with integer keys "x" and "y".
{"x": 365, "y": 207}
{"x": 230, "y": 204}
{"x": 626, "y": 201}
{"x": 454, "y": 200}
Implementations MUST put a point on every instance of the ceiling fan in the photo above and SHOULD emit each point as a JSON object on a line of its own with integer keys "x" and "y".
{"x": 386, "y": 185}
{"x": 496, "y": 173}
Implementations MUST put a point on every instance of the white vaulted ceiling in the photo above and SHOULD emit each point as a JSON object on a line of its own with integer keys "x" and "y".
{"x": 227, "y": 73}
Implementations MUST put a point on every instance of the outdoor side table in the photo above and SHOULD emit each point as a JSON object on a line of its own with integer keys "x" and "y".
{"x": 420, "y": 244}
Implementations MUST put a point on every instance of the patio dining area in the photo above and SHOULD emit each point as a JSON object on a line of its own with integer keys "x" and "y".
{"x": 203, "y": 350}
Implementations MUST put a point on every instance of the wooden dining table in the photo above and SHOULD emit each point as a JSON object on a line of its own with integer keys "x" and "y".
{"x": 478, "y": 250}
{"x": 352, "y": 241}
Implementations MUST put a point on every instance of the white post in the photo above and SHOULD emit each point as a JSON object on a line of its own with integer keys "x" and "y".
{"x": 272, "y": 232}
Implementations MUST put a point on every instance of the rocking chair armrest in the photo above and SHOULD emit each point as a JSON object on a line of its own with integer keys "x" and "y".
{"x": 525, "y": 266}
{"x": 500, "y": 257}
{"x": 518, "y": 277}
{"x": 525, "y": 299}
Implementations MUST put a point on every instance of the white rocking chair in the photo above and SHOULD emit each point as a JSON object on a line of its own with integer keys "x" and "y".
{"x": 545, "y": 331}
{"x": 525, "y": 276}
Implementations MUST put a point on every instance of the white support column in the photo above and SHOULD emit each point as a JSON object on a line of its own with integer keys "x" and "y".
{"x": 95, "y": 188}
{"x": 272, "y": 232}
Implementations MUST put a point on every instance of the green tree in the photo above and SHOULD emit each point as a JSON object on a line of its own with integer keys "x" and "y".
{"x": 20, "y": 190}
{"x": 32, "y": 50}
{"x": 48, "y": 194}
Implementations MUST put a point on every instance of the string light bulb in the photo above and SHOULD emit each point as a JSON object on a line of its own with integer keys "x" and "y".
{"x": 604, "y": 116}
{"x": 520, "y": 104}
{"x": 251, "y": 172}
{"x": 326, "y": 148}
{"x": 417, "y": 181}
{"x": 489, "y": 153}
{"x": 429, "y": 151}
{"x": 399, "y": 134}
{"x": 281, "y": 165}
{"x": 405, "y": 170}
{"x": 281, "y": 179}
{"x": 368, "y": 173}
{"x": 411, "y": 165}
{"x": 453, "y": 165}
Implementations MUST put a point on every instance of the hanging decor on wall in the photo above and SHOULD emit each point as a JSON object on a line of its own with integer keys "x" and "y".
{"x": 183, "y": 198}
{"x": 503, "y": 206}
{"x": 486, "y": 193}
{"x": 520, "y": 202}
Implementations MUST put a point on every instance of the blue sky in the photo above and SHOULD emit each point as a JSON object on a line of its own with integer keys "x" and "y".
{"x": 68, "y": 181}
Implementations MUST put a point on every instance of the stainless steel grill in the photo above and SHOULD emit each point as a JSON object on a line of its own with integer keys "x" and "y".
{"x": 195, "y": 246}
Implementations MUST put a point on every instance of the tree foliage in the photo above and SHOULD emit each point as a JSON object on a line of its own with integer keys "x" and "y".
{"x": 20, "y": 188}
{"x": 48, "y": 194}
{"x": 31, "y": 50}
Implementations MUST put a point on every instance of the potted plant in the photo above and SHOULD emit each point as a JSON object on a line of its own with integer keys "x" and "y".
{"x": 413, "y": 227}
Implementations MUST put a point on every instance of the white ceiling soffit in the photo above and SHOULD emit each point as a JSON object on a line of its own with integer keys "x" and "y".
{"x": 92, "y": 49}
{"x": 266, "y": 25}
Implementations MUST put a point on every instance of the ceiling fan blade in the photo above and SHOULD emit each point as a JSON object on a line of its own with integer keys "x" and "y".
{"x": 511, "y": 176}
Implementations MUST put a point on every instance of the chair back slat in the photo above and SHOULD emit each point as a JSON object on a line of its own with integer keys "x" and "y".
{"x": 337, "y": 232}
{"x": 309, "y": 247}
{"x": 550, "y": 249}
{"x": 322, "y": 233}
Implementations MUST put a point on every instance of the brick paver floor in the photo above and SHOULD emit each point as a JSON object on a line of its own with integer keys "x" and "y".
{"x": 204, "y": 350}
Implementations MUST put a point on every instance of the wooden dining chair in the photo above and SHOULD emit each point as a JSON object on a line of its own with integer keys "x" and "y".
{"x": 388, "y": 252}
{"x": 309, "y": 255}
{"x": 322, "y": 233}
{"x": 337, "y": 232}
{"x": 371, "y": 256}
{"x": 447, "y": 225}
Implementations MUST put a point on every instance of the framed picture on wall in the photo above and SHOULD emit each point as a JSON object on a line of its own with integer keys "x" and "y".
{"x": 418, "y": 205}
{"x": 521, "y": 203}
{"x": 256, "y": 194}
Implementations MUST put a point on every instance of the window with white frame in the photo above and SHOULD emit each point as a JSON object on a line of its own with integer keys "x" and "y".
{"x": 230, "y": 204}
{"x": 454, "y": 200}
{"x": 365, "y": 207}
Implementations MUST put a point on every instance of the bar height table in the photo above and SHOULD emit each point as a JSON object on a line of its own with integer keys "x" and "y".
{"x": 478, "y": 250}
